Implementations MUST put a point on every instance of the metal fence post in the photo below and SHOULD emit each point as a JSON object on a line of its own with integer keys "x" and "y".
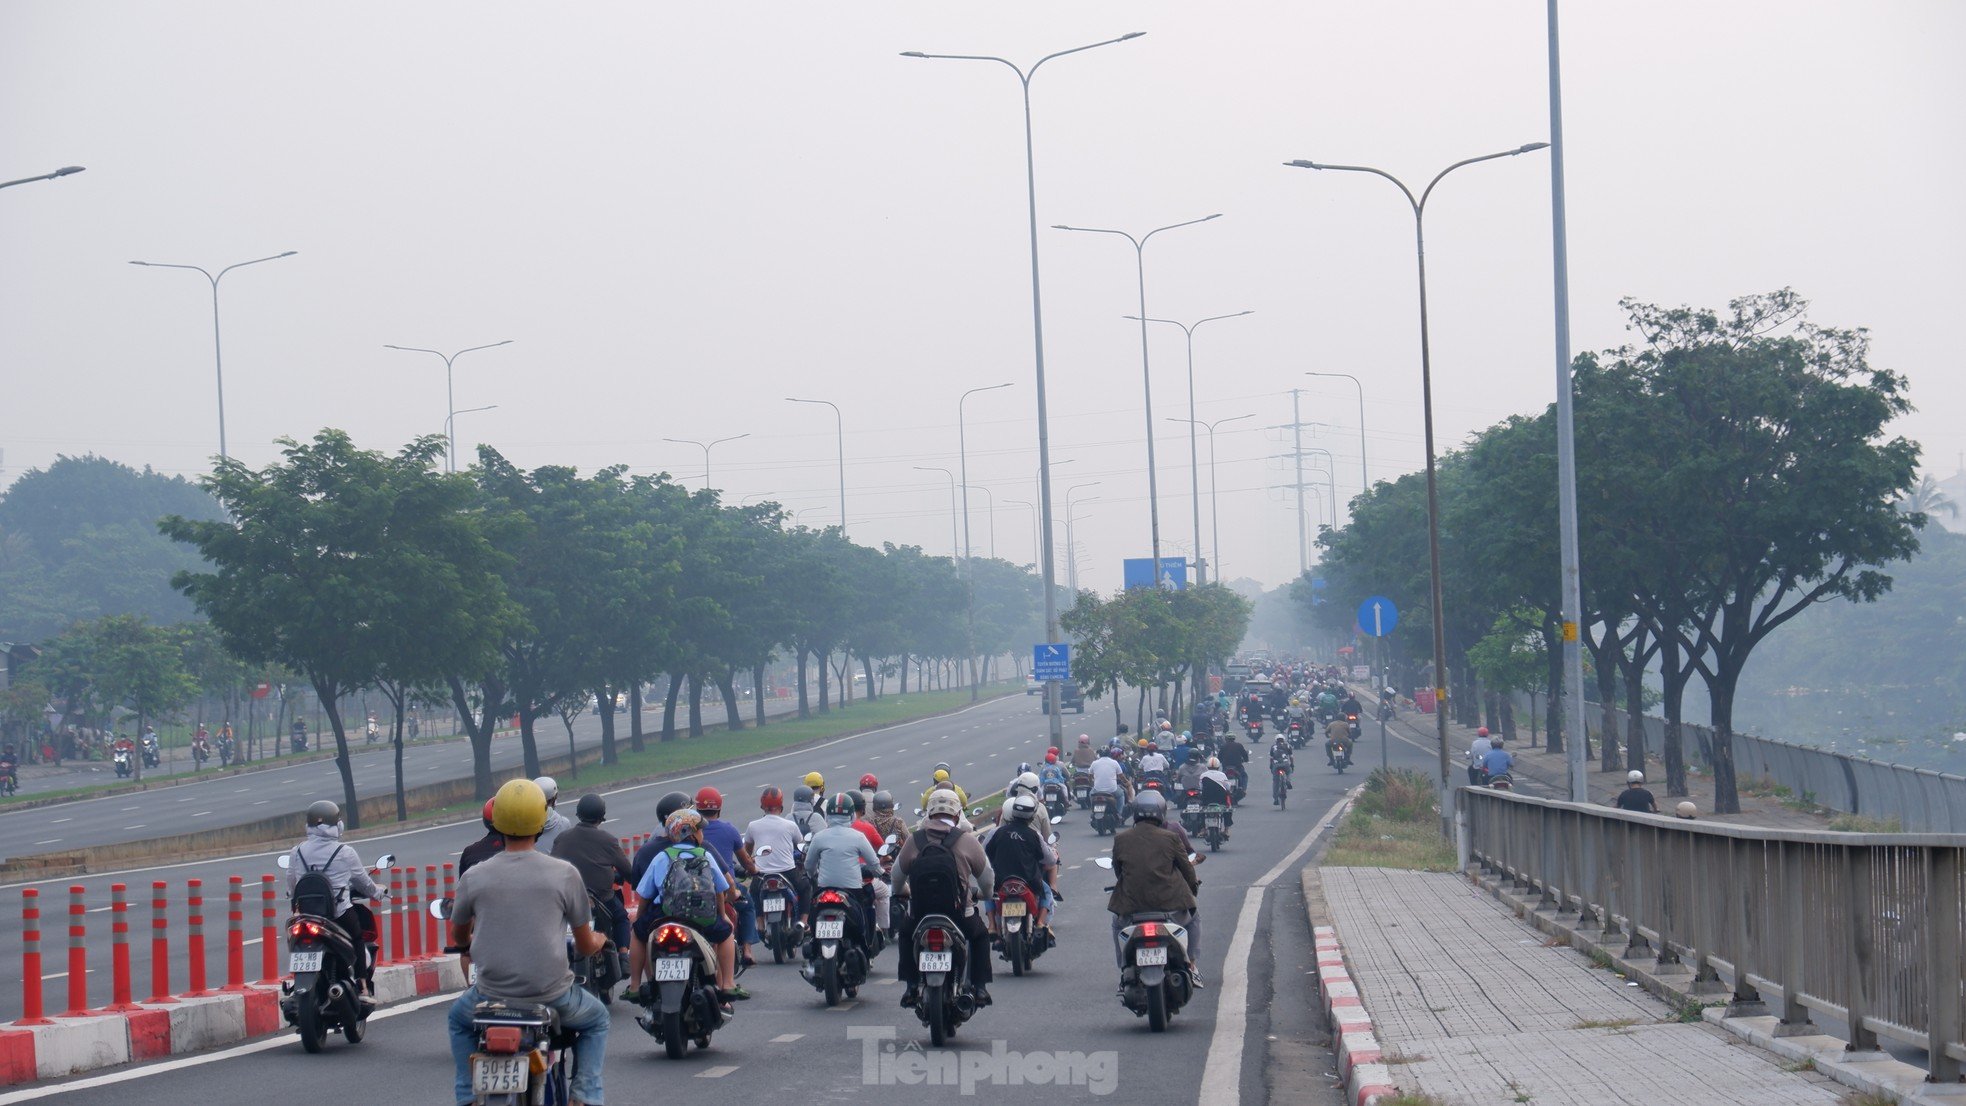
{"x": 1942, "y": 961}
{"x": 1794, "y": 898}
{"x": 1857, "y": 886}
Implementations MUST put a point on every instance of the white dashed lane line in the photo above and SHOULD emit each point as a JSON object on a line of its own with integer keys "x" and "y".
{"x": 786, "y": 1038}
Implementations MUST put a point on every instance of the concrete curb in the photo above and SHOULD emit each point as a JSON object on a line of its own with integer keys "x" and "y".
{"x": 70, "y": 1046}
{"x": 1361, "y": 1060}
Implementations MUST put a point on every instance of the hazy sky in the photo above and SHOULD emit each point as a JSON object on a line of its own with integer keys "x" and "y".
{"x": 681, "y": 214}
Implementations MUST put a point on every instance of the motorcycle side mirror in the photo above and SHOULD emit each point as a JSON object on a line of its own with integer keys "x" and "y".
{"x": 976, "y": 812}
{"x": 440, "y": 909}
{"x": 385, "y": 861}
{"x": 1051, "y": 840}
{"x": 1105, "y": 862}
{"x": 1196, "y": 858}
{"x": 918, "y": 812}
{"x": 286, "y": 860}
{"x": 893, "y": 838}
{"x": 1055, "y": 819}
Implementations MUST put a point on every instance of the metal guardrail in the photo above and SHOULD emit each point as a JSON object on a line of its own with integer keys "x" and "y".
{"x": 1867, "y": 928}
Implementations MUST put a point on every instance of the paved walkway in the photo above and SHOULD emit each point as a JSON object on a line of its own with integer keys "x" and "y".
{"x": 1473, "y": 1007}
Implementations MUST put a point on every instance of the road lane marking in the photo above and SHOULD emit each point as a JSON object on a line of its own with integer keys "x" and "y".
{"x": 786, "y": 1038}
{"x": 49, "y": 841}
{"x": 201, "y": 814}
{"x": 59, "y": 821}
{"x": 717, "y": 1072}
{"x": 1221, "y": 1077}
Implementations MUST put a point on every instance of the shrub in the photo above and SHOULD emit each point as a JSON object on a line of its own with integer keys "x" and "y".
{"x": 1399, "y": 795}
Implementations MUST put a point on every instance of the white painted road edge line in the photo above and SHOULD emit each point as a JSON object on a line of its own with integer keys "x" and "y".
{"x": 1221, "y": 1077}
{"x": 280, "y": 1040}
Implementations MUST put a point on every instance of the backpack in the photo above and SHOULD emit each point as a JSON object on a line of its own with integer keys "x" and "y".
{"x": 689, "y": 889}
{"x": 934, "y": 877}
{"x": 314, "y": 892}
{"x": 1015, "y": 851}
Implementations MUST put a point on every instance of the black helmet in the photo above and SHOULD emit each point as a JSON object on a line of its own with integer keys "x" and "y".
{"x": 1149, "y": 805}
{"x": 323, "y": 813}
{"x": 592, "y": 809}
{"x": 859, "y": 802}
{"x": 884, "y": 802}
{"x": 669, "y": 804}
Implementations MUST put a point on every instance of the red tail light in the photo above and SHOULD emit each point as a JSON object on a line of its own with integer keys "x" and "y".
{"x": 832, "y": 898}
{"x": 672, "y": 938}
{"x": 305, "y": 928}
{"x": 936, "y": 940}
{"x": 1150, "y": 929}
{"x": 503, "y": 1039}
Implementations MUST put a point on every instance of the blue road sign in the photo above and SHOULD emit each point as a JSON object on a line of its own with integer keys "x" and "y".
{"x": 1377, "y": 616}
{"x": 1138, "y": 572}
{"x": 1052, "y": 662}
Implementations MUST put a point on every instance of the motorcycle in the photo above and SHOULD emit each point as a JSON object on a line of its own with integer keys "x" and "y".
{"x": 1341, "y": 756}
{"x": 200, "y": 753}
{"x": 1214, "y": 823}
{"x": 371, "y": 733}
{"x": 942, "y": 957}
{"x": 1279, "y": 786}
{"x": 1191, "y": 813}
{"x": 685, "y": 1009}
{"x": 123, "y": 769}
{"x": 1296, "y": 733}
{"x": 9, "y": 777}
{"x": 1018, "y": 937}
{"x": 777, "y": 903}
{"x": 152, "y": 755}
{"x": 298, "y": 742}
{"x": 1254, "y": 727}
{"x": 1055, "y": 802}
{"x": 601, "y": 972}
{"x": 225, "y": 750}
{"x": 1105, "y": 812}
{"x": 522, "y": 1056}
{"x": 1387, "y": 710}
{"x": 1082, "y": 789}
{"x": 1238, "y": 781}
{"x": 324, "y": 996}
{"x": 1502, "y": 781}
{"x": 1352, "y": 724}
{"x": 1154, "y": 979}
{"x": 835, "y": 963}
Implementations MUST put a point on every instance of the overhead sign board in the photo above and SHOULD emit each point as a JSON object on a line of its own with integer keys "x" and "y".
{"x": 1139, "y": 573}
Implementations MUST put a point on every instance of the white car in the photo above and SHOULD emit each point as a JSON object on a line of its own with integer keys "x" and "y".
{"x": 1033, "y": 686}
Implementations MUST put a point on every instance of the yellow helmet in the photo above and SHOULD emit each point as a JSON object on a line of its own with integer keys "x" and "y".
{"x": 941, "y": 775}
{"x": 1142, "y": 743}
{"x": 815, "y": 781}
{"x": 519, "y": 809}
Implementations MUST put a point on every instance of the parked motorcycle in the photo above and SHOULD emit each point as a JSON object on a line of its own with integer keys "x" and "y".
{"x": 1154, "y": 979}
{"x": 942, "y": 957}
{"x": 836, "y": 963}
{"x": 324, "y": 995}
{"x": 684, "y": 966}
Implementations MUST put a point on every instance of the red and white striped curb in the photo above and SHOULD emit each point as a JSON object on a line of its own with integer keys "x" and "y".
{"x": 1361, "y": 1060}
{"x": 68, "y": 1045}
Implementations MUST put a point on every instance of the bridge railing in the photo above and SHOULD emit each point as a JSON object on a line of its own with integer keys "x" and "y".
{"x": 1864, "y": 928}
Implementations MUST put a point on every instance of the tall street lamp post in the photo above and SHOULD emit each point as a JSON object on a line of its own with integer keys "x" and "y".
{"x": 218, "y": 352}
{"x": 1214, "y": 503}
{"x": 1194, "y": 451}
{"x": 1419, "y": 207}
{"x": 989, "y": 508}
{"x": 1047, "y": 561}
{"x": 61, "y": 172}
{"x": 706, "y": 447}
{"x": 959, "y": 555}
{"x": 1146, "y": 376}
{"x": 1364, "y": 474}
{"x": 1071, "y": 541}
{"x": 839, "y": 426}
{"x": 1036, "y": 548}
{"x": 450, "y": 390}
{"x": 969, "y": 578}
{"x": 450, "y": 420}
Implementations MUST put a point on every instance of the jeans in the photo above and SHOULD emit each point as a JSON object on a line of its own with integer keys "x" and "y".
{"x": 579, "y": 1012}
{"x": 747, "y": 920}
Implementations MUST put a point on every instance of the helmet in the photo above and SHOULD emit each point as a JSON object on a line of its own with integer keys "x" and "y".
{"x": 323, "y": 813}
{"x": 670, "y": 804}
{"x": 815, "y": 781}
{"x": 941, "y": 775}
{"x": 1166, "y": 725}
{"x": 1215, "y": 762}
{"x": 1022, "y": 807}
{"x": 840, "y": 806}
{"x": 549, "y": 787}
{"x": 943, "y": 804}
{"x": 1481, "y": 731}
{"x": 771, "y": 800}
{"x": 1182, "y": 740}
{"x": 683, "y": 824}
{"x": 1153, "y": 746}
{"x": 488, "y": 806}
{"x": 941, "y": 766}
{"x": 859, "y": 802}
{"x": 884, "y": 802}
{"x": 1085, "y": 739}
{"x": 1028, "y": 781}
{"x": 1051, "y": 757}
{"x": 870, "y": 782}
{"x": 1051, "y": 752}
{"x": 1686, "y": 810}
{"x": 1149, "y": 806}
{"x": 1634, "y": 776}
{"x": 802, "y": 796}
{"x": 1142, "y": 743}
{"x": 709, "y": 801}
{"x": 519, "y": 809}
{"x": 592, "y": 809}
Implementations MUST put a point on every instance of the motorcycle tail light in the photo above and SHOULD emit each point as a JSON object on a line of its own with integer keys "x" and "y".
{"x": 832, "y": 898}
{"x": 305, "y": 928}
{"x": 1151, "y": 931}
{"x": 503, "y": 1040}
{"x": 936, "y": 940}
{"x": 672, "y": 938}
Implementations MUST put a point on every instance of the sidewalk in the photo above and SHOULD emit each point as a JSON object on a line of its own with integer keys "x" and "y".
{"x": 1472, "y": 1006}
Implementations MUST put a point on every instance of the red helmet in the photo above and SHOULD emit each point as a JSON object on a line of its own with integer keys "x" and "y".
{"x": 709, "y": 801}
{"x": 1051, "y": 752}
{"x": 1051, "y": 757}
{"x": 771, "y": 800}
{"x": 869, "y": 782}
{"x": 488, "y": 806}
{"x": 1481, "y": 732}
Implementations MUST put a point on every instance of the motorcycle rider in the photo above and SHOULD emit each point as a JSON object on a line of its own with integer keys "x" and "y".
{"x": 1233, "y": 755}
{"x": 838, "y": 858}
{"x": 556, "y": 823}
{"x": 597, "y": 855}
{"x": 1635, "y": 797}
{"x": 1335, "y": 731}
{"x": 1218, "y": 790}
{"x": 638, "y": 867}
{"x": 1151, "y": 872}
{"x": 1017, "y": 849}
{"x": 782, "y": 835}
{"x": 817, "y": 783}
{"x": 1153, "y": 761}
{"x": 685, "y": 832}
{"x": 727, "y": 841}
{"x": 484, "y": 848}
{"x": 1082, "y": 753}
{"x": 322, "y": 851}
{"x": 805, "y": 814}
{"x": 1053, "y": 772}
{"x": 1497, "y": 762}
{"x": 886, "y": 821}
{"x": 1282, "y": 757}
{"x": 510, "y": 918}
{"x": 941, "y": 776}
{"x": 1109, "y": 777}
{"x": 941, "y": 834}
{"x": 1478, "y": 756}
{"x": 876, "y": 884}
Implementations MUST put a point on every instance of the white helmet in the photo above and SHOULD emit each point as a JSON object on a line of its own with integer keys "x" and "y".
{"x": 943, "y": 804}
{"x": 1022, "y": 807}
{"x": 1215, "y": 762}
{"x": 549, "y": 785}
{"x": 1028, "y": 781}
{"x": 1634, "y": 776}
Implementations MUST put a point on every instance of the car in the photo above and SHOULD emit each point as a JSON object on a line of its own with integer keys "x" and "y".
{"x": 1033, "y": 685}
{"x": 1069, "y": 697}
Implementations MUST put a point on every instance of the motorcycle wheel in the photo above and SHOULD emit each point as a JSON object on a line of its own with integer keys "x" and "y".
{"x": 1013, "y": 947}
{"x": 1157, "y": 1009}
{"x": 1283, "y": 796}
{"x": 674, "y": 1044}
{"x": 831, "y": 978}
{"x": 352, "y": 1023}
{"x": 307, "y": 1019}
{"x": 777, "y": 947}
{"x": 1215, "y": 842}
{"x": 938, "y": 1033}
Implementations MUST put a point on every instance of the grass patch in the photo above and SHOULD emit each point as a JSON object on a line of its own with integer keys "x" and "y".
{"x": 1763, "y": 787}
{"x": 1807, "y": 1063}
{"x": 1394, "y": 824}
{"x": 1413, "y": 1098}
{"x": 1857, "y": 823}
{"x": 1403, "y": 1058}
{"x": 1868, "y": 1098}
{"x": 1687, "y": 1011}
{"x": 1607, "y": 1023}
{"x": 1399, "y": 795}
{"x": 1601, "y": 959}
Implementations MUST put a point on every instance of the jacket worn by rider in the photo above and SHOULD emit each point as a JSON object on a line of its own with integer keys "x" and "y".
{"x": 322, "y": 851}
{"x": 1016, "y": 850}
{"x": 835, "y": 855}
{"x": 973, "y": 866}
{"x": 597, "y": 855}
{"x": 1153, "y": 872}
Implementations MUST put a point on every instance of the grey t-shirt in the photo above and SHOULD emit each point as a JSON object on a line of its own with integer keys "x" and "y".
{"x": 520, "y": 905}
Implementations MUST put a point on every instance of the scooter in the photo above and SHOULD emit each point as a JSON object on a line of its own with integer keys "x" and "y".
{"x": 1154, "y": 979}
{"x": 685, "y": 1010}
{"x": 1341, "y": 755}
{"x": 1254, "y": 728}
{"x": 1082, "y": 789}
{"x": 1018, "y": 938}
{"x": 152, "y": 755}
{"x": 942, "y": 959}
{"x": 123, "y": 769}
{"x": 601, "y": 972}
{"x": 1055, "y": 802}
{"x": 1214, "y": 824}
{"x": 324, "y": 996}
{"x": 522, "y": 1056}
{"x": 1105, "y": 812}
{"x": 778, "y": 903}
{"x": 836, "y": 964}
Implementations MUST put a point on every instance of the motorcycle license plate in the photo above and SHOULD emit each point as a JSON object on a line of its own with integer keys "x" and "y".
{"x": 830, "y": 929}
{"x": 500, "y": 1074}
{"x": 1013, "y": 908}
{"x": 938, "y": 962}
{"x": 305, "y": 961}
{"x": 1149, "y": 957}
{"x": 1212, "y": 819}
{"x": 773, "y": 905}
{"x": 672, "y": 969}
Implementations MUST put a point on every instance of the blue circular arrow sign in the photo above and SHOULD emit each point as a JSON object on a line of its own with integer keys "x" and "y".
{"x": 1377, "y": 616}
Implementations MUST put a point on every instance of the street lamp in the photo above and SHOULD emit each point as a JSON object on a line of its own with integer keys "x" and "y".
{"x": 1419, "y": 207}
{"x": 450, "y": 420}
{"x": 1146, "y": 377}
{"x": 1364, "y": 474}
{"x": 1214, "y": 504}
{"x": 1053, "y": 721}
{"x": 1194, "y": 453}
{"x": 62, "y": 172}
{"x": 1071, "y": 542}
{"x": 218, "y": 357}
{"x": 962, "y": 460}
{"x": 1033, "y": 508}
{"x": 839, "y": 427}
{"x": 990, "y": 499}
{"x": 955, "y": 549}
{"x": 969, "y": 592}
{"x": 450, "y": 391}
{"x": 706, "y": 447}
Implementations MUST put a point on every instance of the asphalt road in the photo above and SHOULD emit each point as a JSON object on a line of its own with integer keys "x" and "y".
{"x": 269, "y": 788}
{"x": 786, "y": 1043}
